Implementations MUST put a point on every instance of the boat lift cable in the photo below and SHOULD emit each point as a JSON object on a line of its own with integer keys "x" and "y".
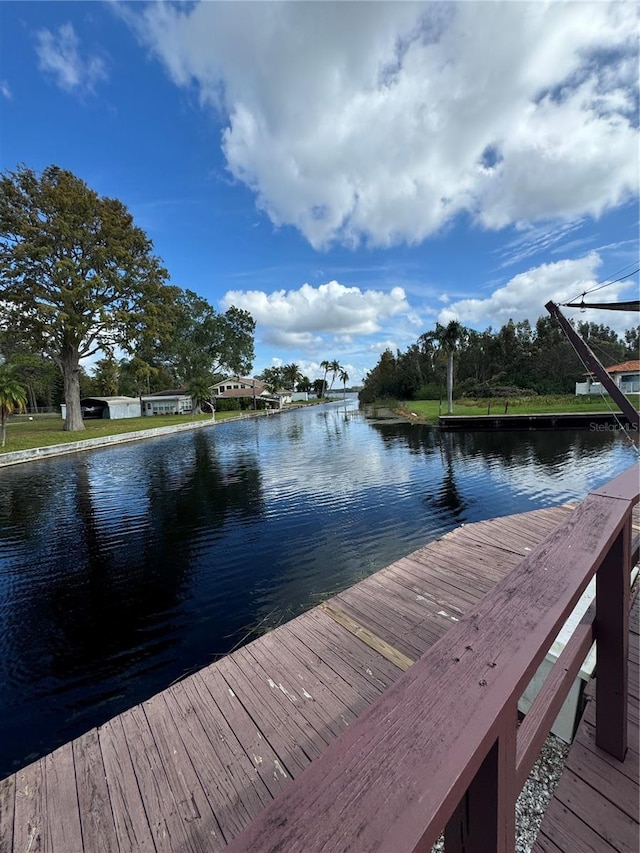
{"x": 601, "y": 286}
{"x": 630, "y": 305}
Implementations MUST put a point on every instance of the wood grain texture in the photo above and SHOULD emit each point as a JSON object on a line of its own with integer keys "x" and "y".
{"x": 63, "y": 814}
{"x": 459, "y": 687}
{"x": 7, "y": 803}
{"x": 386, "y": 650}
{"x": 98, "y": 828}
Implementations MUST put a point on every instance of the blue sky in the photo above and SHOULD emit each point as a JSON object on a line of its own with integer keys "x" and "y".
{"x": 348, "y": 172}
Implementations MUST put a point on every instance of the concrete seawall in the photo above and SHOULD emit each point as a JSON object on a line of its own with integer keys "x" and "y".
{"x": 19, "y": 456}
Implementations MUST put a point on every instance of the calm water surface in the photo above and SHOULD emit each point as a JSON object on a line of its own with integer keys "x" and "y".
{"x": 123, "y": 569}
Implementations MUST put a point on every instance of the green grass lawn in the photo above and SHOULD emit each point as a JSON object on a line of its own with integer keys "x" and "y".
{"x": 45, "y": 430}
{"x": 428, "y": 410}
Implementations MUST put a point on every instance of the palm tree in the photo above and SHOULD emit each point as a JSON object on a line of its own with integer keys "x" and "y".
{"x": 335, "y": 367}
{"x": 199, "y": 389}
{"x": 447, "y": 338}
{"x": 326, "y": 366}
{"x": 291, "y": 374}
{"x": 13, "y": 397}
{"x": 344, "y": 378}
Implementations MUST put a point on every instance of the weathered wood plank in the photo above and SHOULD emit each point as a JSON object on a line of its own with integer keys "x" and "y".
{"x": 7, "y": 803}
{"x": 98, "y": 828}
{"x": 355, "y": 662}
{"x": 380, "y": 618}
{"x": 341, "y": 617}
{"x": 288, "y": 742}
{"x": 380, "y": 623}
{"x": 441, "y": 587}
{"x": 417, "y": 611}
{"x": 192, "y": 805}
{"x": 285, "y": 678}
{"x": 165, "y": 821}
{"x": 132, "y": 826}
{"x": 257, "y": 672}
{"x": 602, "y": 816}
{"x": 630, "y": 767}
{"x": 231, "y": 792}
{"x": 230, "y": 777}
{"x": 607, "y": 780}
{"x": 63, "y": 814}
{"x": 335, "y": 701}
{"x": 234, "y": 725}
{"x": 30, "y": 815}
{"x": 569, "y": 833}
{"x": 543, "y": 844}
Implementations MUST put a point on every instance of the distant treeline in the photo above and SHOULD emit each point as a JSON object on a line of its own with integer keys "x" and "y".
{"x": 516, "y": 360}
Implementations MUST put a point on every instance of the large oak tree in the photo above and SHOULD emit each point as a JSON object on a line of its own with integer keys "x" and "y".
{"x": 76, "y": 274}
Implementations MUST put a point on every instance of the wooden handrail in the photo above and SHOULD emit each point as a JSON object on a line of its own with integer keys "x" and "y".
{"x": 440, "y": 748}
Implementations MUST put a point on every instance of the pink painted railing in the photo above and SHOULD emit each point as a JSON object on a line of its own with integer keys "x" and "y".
{"x": 441, "y": 748}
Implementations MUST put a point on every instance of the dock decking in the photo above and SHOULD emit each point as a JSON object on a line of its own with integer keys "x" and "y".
{"x": 191, "y": 767}
{"x": 595, "y": 806}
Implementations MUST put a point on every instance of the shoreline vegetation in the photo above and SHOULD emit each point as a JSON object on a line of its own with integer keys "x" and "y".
{"x": 428, "y": 411}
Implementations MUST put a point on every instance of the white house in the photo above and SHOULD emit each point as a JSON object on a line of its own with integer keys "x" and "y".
{"x": 171, "y": 402}
{"x": 625, "y": 375}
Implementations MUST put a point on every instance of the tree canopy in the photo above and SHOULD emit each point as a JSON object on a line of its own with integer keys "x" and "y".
{"x": 516, "y": 357}
{"x": 204, "y": 343}
{"x": 76, "y": 275}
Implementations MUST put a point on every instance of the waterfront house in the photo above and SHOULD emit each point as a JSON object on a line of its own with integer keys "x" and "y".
{"x": 169, "y": 402}
{"x": 241, "y": 388}
{"x": 626, "y": 376}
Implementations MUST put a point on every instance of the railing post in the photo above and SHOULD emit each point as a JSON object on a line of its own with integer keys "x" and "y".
{"x": 484, "y": 821}
{"x": 612, "y": 643}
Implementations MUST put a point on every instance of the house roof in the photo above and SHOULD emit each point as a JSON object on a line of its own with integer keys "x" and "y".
{"x": 237, "y": 379}
{"x": 170, "y": 392}
{"x": 240, "y": 392}
{"x": 623, "y": 367}
{"x": 108, "y": 400}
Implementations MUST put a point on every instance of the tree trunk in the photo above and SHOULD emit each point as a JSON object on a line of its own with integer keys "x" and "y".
{"x": 4, "y": 427}
{"x": 70, "y": 367}
{"x": 32, "y": 398}
{"x": 450, "y": 384}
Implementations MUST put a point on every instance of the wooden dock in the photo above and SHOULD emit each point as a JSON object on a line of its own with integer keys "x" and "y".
{"x": 595, "y": 806}
{"x": 191, "y": 767}
{"x": 594, "y": 421}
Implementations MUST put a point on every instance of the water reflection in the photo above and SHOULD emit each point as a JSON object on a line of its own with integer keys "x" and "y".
{"x": 125, "y": 568}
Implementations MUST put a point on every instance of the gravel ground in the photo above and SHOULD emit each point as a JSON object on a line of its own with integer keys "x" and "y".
{"x": 537, "y": 792}
{"x": 535, "y": 796}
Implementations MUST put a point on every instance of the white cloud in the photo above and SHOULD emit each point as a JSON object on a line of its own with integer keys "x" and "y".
{"x": 524, "y": 296}
{"x": 59, "y": 55}
{"x": 5, "y": 90}
{"x": 381, "y": 122}
{"x": 300, "y": 316}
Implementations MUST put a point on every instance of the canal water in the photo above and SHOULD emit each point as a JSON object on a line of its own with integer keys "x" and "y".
{"x": 123, "y": 569}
